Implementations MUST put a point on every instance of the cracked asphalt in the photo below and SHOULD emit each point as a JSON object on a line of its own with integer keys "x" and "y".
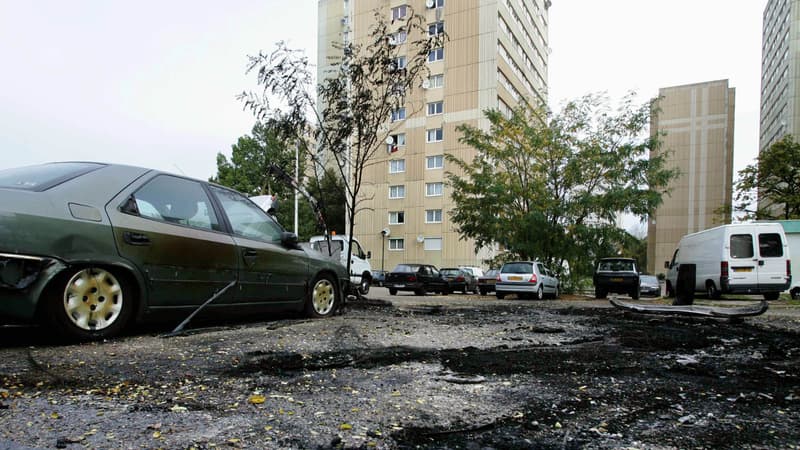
{"x": 404, "y": 372}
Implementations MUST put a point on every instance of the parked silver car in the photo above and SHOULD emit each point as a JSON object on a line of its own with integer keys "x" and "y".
{"x": 527, "y": 279}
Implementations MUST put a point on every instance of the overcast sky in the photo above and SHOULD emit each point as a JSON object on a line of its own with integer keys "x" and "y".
{"x": 153, "y": 83}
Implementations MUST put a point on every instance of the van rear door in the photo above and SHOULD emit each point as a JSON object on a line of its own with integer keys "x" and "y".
{"x": 743, "y": 262}
{"x": 771, "y": 262}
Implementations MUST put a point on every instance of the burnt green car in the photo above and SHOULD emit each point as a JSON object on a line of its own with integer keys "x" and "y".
{"x": 89, "y": 248}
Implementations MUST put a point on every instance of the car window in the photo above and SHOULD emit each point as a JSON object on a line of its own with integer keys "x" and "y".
{"x": 175, "y": 200}
{"x": 741, "y": 246}
{"x": 616, "y": 265}
{"x": 770, "y": 245}
{"x": 44, "y": 176}
{"x": 449, "y": 272}
{"x": 247, "y": 219}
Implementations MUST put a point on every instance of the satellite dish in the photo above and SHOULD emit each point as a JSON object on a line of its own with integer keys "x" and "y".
{"x": 389, "y": 140}
{"x": 420, "y": 239}
{"x": 426, "y": 84}
{"x": 430, "y": 3}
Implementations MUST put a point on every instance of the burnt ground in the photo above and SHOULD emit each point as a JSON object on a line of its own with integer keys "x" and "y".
{"x": 443, "y": 374}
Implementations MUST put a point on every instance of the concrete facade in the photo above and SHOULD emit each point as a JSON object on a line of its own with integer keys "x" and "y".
{"x": 696, "y": 122}
{"x": 496, "y": 55}
{"x": 780, "y": 75}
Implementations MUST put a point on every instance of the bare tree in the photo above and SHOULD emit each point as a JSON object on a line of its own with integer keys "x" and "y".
{"x": 349, "y": 111}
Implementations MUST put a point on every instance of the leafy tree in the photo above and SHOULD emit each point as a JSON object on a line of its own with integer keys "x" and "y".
{"x": 774, "y": 180}
{"x": 248, "y": 172}
{"x": 550, "y": 186}
{"x": 350, "y": 108}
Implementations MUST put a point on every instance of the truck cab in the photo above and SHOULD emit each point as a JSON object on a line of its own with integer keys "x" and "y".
{"x": 360, "y": 268}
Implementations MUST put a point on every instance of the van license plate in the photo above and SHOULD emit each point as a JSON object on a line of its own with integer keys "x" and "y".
{"x": 514, "y": 278}
{"x": 742, "y": 269}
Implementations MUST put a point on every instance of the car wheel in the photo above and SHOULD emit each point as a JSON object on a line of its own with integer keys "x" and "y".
{"x": 420, "y": 291}
{"x": 600, "y": 293}
{"x": 363, "y": 288}
{"x": 392, "y": 291}
{"x": 475, "y": 290}
{"x": 540, "y": 293}
{"x": 322, "y": 298}
{"x": 483, "y": 291}
{"x": 772, "y": 295}
{"x": 499, "y": 295}
{"x": 712, "y": 291}
{"x": 555, "y": 293}
{"x": 669, "y": 291}
{"x": 446, "y": 292}
{"x": 90, "y": 303}
{"x": 795, "y": 293}
{"x": 635, "y": 293}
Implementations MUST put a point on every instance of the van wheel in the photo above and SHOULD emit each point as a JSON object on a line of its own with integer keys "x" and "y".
{"x": 499, "y": 295}
{"x": 795, "y": 293}
{"x": 600, "y": 293}
{"x": 712, "y": 291}
{"x": 392, "y": 291}
{"x": 772, "y": 295}
{"x": 363, "y": 288}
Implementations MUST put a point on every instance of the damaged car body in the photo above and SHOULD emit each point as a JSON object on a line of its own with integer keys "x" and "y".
{"x": 89, "y": 248}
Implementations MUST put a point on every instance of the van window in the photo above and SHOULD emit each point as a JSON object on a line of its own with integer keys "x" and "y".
{"x": 741, "y": 246}
{"x": 770, "y": 245}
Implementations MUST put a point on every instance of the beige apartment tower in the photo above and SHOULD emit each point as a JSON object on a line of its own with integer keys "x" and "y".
{"x": 696, "y": 121}
{"x": 495, "y": 56}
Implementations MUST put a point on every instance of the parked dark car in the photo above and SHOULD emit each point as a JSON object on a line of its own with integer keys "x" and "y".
{"x": 487, "y": 281}
{"x": 418, "y": 278}
{"x": 460, "y": 280}
{"x": 88, "y": 248}
{"x": 617, "y": 275}
{"x": 649, "y": 286}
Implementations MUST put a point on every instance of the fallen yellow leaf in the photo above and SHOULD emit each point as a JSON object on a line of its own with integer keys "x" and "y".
{"x": 345, "y": 426}
{"x": 257, "y": 399}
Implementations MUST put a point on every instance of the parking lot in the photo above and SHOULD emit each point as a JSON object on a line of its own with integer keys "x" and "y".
{"x": 459, "y": 371}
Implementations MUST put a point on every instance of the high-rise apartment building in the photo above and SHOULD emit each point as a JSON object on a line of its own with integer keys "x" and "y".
{"x": 696, "y": 121}
{"x": 495, "y": 55}
{"x": 780, "y": 74}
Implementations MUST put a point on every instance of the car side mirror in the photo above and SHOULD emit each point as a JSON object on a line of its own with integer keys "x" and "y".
{"x": 666, "y": 264}
{"x": 289, "y": 240}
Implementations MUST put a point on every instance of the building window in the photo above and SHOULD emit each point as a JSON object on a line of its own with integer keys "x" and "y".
{"x": 398, "y": 37}
{"x": 399, "y": 12}
{"x": 398, "y": 140}
{"x": 434, "y": 189}
{"x": 400, "y": 62}
{"x": 433, "y": 216}
{"x": 437, "y": 4}
{"x": 436, "y": 81}
{"x": 434, "y": 135}
{"x": 397, "y": 244}
{"x": 397, "y": 165}
{"x": 398, "y": 114}
{"x": 436, "y": 54}
{"x": 433, "y": 244}
{"x": 435, "y": 108}
{"x": 436, "y": 28}
{"x": 397, "y": 191}
{"x": 397, "y": 217}
{"x": 434, "y": 162}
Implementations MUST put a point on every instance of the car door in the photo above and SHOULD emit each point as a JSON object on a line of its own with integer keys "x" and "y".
{"x": 268, "y": 271}
{"x": 771, "y": 261}
{"x": 168, "y": 227}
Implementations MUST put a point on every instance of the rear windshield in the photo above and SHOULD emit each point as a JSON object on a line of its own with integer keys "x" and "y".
{"x": 520, "y": 267}
{"x": 405, "y": 268}
{"x": 616, "y": 265}
{"x": 770, "y": 245}
{"x": 43, "y": 177}
{"x": 450, "y": 272}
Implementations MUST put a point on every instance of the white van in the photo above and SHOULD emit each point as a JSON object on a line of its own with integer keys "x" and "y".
{"x": 747, "y": 258}
{"x": 360, "y": 268}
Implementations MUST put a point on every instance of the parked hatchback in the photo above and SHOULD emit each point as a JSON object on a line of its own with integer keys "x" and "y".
{"x": 527, "y": 279}
{"x": 460, "y": 279}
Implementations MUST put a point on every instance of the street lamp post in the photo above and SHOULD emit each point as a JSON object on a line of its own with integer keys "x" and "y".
{"x": 384, "y": 233}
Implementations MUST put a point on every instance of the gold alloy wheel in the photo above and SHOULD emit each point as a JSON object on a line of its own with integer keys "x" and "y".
{"x": 93, "y": 299}
{"x": 323, "y": 296}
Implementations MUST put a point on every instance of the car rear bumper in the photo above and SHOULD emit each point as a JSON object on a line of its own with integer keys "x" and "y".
{"x": 728, "y": 288}
{"x": 502, "y": 287}
{"x": 23, "y": 278}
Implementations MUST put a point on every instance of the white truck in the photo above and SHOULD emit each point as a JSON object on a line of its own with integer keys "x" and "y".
{"x": 746, "y": 258}
{"x": 360, "y": 268}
